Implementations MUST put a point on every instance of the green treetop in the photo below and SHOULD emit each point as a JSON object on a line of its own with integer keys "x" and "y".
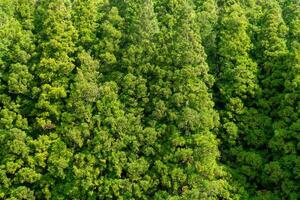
{"x": 182, "y": 108}
{"x": 55, "y": 64}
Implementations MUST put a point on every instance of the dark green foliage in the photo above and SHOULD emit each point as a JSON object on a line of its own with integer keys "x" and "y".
{"x": 183, "y": 107}
{"x": 237, "y": 86}
{"x": 149, "y": 99}
{"x": 266, "y": 158}
{"x": 285, "y": 142}
{"x": 207, "y": 17}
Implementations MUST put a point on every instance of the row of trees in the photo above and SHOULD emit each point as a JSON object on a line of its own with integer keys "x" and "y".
{"x": 148, "y": 99}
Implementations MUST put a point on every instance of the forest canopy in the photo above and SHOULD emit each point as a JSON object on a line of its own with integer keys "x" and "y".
{"x": 150, "y": 99}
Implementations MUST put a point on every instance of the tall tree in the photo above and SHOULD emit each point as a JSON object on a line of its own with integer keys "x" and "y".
{"x": 77, "y": 128}
{"x": 236, "y": 79}
{"x": 286, "y": 123}
{"x": 271, "y": 54}
{"x": 137, "y": 52}
{"x": 108, "y": 39}
{"x": 237, "y": 89}
{"x": 16, "y": 52}
{"x": 55, "y": 66}
{"x": 207, "y": 17}
{"x": 53, "y": 71}
{"x": 182, "y": 108}
{"x": 125, "y": 59}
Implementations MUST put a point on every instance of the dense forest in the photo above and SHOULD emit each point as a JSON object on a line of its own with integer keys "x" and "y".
{"x": 150, "y": 99}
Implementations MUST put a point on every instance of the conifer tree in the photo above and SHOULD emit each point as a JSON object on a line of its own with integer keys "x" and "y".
{"x": 136, "y": 53}
{"x": 207, "y": 17}
{"x": 16, "y": 51}
{"x": 116, "y": 143}
{"x": 53, "y": 72}
{"x": 77, "y": 126}
{"x": 286, "y": 125}
{"x": 123, "y": 167}
{"x": 236, "y": 79}
{"x": 271, "y": 54}
{"x": 182, "y": 108}
{"x": 237, "y": 90}
{"x": 55, "y": 67}
{"x": 108, "y": 38}
{"x": 122, "y": 60}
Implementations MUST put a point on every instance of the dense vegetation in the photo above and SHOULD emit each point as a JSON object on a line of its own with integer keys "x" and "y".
{"x": 150, "y": 99}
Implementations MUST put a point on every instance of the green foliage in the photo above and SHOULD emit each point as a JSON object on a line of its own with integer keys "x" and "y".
{"x": 207, "y": 17}
{"x": 149, "y": 99}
